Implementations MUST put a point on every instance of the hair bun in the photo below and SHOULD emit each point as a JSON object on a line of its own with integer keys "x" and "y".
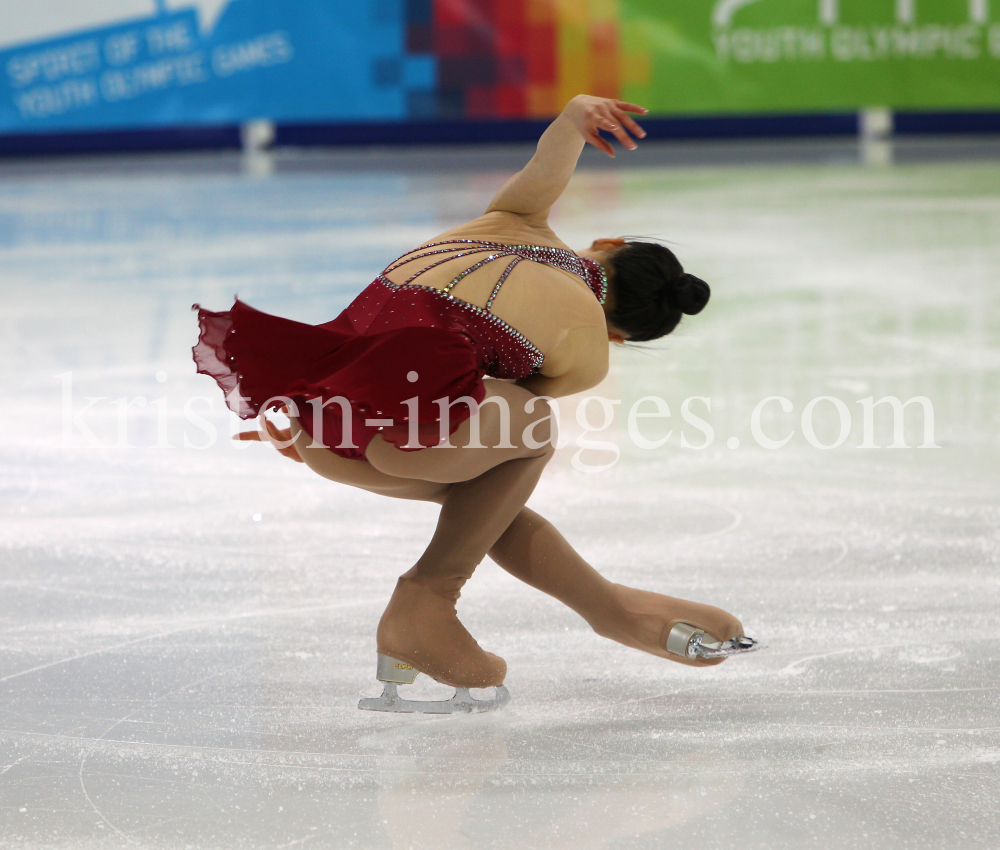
{"x": 689, "y": 293}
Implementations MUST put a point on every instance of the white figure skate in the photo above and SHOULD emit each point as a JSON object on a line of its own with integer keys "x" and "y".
{"x": 691, "y": 642}
{"x": 393, "y": 672}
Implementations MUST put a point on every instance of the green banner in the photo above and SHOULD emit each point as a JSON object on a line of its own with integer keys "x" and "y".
{"x": 802, "y": 55}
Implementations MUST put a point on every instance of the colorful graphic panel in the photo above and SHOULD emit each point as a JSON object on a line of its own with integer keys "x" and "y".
{"x": 514, "y": 58}
{"x": 503, "y": 58}
{"x": 203, "y": 62}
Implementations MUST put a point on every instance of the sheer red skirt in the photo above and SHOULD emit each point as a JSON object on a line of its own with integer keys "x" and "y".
{"x": 344, "y": 385}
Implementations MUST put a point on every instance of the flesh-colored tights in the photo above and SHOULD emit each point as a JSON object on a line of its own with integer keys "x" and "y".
{"x": 483, "y": 512}
{"x": 487, "y": 515}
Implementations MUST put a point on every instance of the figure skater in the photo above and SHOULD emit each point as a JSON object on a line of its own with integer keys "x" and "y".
{"x": 433, "y": 385}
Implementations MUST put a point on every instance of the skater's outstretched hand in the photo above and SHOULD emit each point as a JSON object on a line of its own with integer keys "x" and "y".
{"x": 280, "y": 438}
{"x": 591, "y": 114}
{"x": 533, "y": 190}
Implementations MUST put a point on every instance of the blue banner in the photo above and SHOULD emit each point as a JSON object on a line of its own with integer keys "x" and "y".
{"x": 293, "y": 60}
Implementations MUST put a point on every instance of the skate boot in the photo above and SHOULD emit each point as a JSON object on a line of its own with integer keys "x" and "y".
{"x": 420, "y": 633}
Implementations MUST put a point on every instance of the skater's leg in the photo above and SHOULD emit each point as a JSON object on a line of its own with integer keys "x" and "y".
{"x": 495, "y": 435}
{"x": 420, "y": 625}
{"x": 532, "y": 550}
{"x": 357, "y": 473}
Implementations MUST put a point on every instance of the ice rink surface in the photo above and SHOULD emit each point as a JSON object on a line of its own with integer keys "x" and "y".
{"x": 185, "y": 632}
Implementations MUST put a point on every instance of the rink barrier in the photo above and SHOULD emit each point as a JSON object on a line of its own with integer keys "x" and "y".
{"x": 473, "y": 132}
{"x": 156, "y": 139}
{"x": 479, "y": 132}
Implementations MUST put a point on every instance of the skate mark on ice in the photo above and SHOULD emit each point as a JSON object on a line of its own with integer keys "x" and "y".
{"x": 106, "y": 732}
{"x": 201, "y": 624}
{"x": 298, "y": 842}
{"x": 7, "y": 767}
{"x": 794, "y": 668}
{"x": 733, "y": 525}
{"x": 100, "y": 814}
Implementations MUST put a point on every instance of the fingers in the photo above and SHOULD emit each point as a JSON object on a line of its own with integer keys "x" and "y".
{"x": 276, "y": 434}
{"x": 281, "y": 439}
{"x": 592, "y": 115}
{"x": 619, "y": 133}
{"x": 598, "y": 142}
{"x": 291, "y": 452}
{"x": 631, "y": 124}
{"x": 257, "y": 436}
{"x": 631, "y": 107}
{"x": 273, "y": 434}
{"x": 619, "y": 123}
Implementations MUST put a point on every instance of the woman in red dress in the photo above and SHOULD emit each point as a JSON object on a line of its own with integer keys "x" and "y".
{"x": 432, "y": 385}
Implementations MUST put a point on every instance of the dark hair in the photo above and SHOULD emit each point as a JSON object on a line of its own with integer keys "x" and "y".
{"x": 650, "y": 291}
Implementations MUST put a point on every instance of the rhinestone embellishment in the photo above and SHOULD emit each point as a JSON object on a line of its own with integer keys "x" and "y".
{"x": 590, "y": 271}
{"x": 535, "y": 356}
{"x": 501, "y": 360}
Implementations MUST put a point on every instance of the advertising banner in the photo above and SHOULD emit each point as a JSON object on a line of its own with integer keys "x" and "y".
{"x": 205, "y": 62}
{"x": 101, "y": 64}
{"x": 797, "y": 55}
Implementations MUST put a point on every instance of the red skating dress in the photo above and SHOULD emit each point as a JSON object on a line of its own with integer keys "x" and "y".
{"x": 390, "y": 362}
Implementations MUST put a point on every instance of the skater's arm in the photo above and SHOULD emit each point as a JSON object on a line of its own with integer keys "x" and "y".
{"x": 539, "y": 184}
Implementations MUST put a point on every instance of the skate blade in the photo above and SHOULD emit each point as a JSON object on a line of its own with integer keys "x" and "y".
{"x": 723, "y": 649}
{"x": 461, "y": 703}
{"x": 691, "y": 642}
